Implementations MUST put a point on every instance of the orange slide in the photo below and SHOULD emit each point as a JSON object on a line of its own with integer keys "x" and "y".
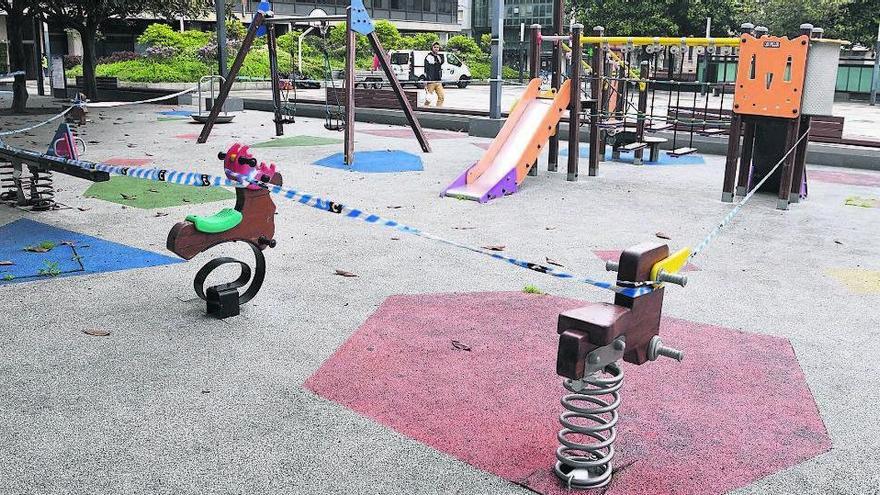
{"x": 515, "y": 148}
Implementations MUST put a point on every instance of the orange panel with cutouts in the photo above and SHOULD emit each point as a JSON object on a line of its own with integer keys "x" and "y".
{"x": 770, "y": 76}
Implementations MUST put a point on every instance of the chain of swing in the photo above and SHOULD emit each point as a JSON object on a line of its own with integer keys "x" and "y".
{"x": 334, "y": 112}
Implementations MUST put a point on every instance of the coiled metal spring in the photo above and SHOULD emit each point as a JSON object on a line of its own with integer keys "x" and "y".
{"x": 589, "y": 428}
{"x": 42, "y": 191}
{"x": 7, "y": 182}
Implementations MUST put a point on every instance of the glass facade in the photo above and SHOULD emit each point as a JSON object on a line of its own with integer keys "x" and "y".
{"x": 516, "y": 12}
{"x": 433, "y": 11}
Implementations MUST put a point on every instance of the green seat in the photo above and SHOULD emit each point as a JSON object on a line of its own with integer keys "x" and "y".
{"x": 223, "y": 220}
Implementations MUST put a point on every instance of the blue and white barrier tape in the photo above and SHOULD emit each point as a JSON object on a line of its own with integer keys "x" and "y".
{"x": 206, "y": 180}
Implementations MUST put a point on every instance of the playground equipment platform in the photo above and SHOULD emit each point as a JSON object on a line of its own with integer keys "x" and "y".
{"x": 515, "y": 149}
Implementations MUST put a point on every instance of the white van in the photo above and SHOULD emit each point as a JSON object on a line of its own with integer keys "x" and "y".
{"x": 409, "y": 67}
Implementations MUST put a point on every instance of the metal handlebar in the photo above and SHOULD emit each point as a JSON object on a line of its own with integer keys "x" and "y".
{"x": 663, "y": 276}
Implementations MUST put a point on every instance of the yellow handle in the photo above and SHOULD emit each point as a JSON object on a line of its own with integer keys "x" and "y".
{"x": 672, "y": 263}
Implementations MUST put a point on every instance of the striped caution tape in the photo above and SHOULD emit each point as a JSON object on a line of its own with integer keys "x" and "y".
{"x": 39, "y": 124}
{"x": 206, "y": 180}
{"x": 736, "y": 209}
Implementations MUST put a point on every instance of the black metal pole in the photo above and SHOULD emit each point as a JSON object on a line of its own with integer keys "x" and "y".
{"x": 220, "y": 9}
{"x": 574, "y": 104}
{"x": 273, "y": 74}
{"x": 555, "y": 81}
{"x": 597, "y": 151}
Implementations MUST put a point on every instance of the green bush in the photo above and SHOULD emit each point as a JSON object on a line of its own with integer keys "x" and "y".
{"x": 388, "y": 34}
{"x": 76, "y": 70}
{"x": 482, "y": 70}
{"x": 164, "y": 36}
{"x": 463, "y": 45}
{"x": 479, "y": 70}
{"x": 145, "y": 70}
{"x": 256, "y": 63}
{"x": 235, "y": 29}
{"x": 420, "y": 41}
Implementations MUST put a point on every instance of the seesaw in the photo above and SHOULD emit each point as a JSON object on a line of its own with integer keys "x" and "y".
{"x": 252, "y": 221}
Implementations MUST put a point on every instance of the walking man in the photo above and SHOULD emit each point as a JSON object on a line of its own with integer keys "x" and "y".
{"x": 434, "y": 75}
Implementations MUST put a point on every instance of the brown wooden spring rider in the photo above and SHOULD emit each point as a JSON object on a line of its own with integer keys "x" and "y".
{"x": 252, "y": 221}
{"x": 592, "y": 340}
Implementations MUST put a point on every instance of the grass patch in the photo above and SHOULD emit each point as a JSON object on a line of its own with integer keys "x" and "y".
{"x": 50, "y": 269}
{"x": 296, "y": 141}
{"x": 531, "y": 289}
{"x": 139, "y": 193}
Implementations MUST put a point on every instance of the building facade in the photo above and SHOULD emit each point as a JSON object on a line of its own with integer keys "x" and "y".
{"x": 517, "y": 14}
{"x": 439, "y": 16}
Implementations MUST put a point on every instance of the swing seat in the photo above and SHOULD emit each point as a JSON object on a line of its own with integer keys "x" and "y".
{"x": 712, "y": 132}
{"x": 659, "y": 127}
{"x": 677, "y": 152}
{"x": 634, "y": 146}
{"x": 222, "y": 221}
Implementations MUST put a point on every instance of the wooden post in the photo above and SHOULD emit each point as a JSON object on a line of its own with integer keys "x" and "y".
{"x": 385, "y": 63}
{"x": 800, "y": 158}
{"x": 217, "y": 104}
{"x": 732, "y": 157}
{"x": 555, "y": 82}
{"x": 745, "y": 163}
{"x": 273, "y": 74}
{"x": 350, "y": 54}
{"x": 598, "y": 63}
{"x": 574, "y": 105}
{"x": 534, "y": 70}
{"x": 792, "y": 127}
{"x": 642, "y": 109}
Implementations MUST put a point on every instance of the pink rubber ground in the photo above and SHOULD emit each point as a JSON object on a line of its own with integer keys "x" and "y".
{"x": 737, "y": 409}
{"x": 841, "y": 177}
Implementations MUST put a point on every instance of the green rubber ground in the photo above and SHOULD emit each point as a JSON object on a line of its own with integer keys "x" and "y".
{"x": 148, "y": 195}
{"x": 296, "y": 141}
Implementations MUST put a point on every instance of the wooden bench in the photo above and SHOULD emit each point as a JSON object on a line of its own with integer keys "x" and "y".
{"x": 372, "y": 98}
{"x": 101, "y": 82}
{"x": 826, "y": 129}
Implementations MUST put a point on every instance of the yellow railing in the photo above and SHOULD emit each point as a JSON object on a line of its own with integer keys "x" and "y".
{"x": 651, "y": 40}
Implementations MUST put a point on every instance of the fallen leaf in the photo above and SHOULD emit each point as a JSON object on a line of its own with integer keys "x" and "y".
{"x": 6, "y": 263}
{"x": 160, "y": 214}
{"x": 83, "y": 208}
{"x": 463, "y": 228}
{"x": 549, "y": 228}
{"x": 553, "y": 262}
{"x": 838, "y": 242}
{"x": 153, "y": 190}
{"x": 395, "y": 238}
{"x": 462, "y": 347}
{"x": 94, "y": 332}
{"x": 344, "y": 273}
{"x": 185, "y": 200}
{"x": 149, "y": 154}
{"x": 36, "y": 249}
{"x": 128, "y": 196}
{"x": 662, "y": 235}
{"x": 494, "y": 248}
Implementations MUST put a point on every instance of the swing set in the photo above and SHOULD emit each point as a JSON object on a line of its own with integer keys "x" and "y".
{"x": 338, "y": 114}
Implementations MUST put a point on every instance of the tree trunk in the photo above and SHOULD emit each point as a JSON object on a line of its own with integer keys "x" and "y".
{"x": 88, "y": 36}
{"x": 17, "y": 61}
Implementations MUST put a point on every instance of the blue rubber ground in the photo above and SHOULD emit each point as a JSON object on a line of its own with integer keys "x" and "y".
{"x": 665, "y": 159}
{"x": 375, "y": 162}
{"x": 176, "y": 113}
{"x": 94, "y": 255}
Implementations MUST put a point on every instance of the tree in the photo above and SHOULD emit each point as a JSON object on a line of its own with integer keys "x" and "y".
{"x": 857, "y": 22}
{"x": 87, "y": 16}
{"x": 18, "y": 13}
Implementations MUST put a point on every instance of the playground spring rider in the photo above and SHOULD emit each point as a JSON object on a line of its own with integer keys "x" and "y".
{"x": 28, "y": 184}
{"x": 592, "y": 340}
{"x": 252, "y": 221}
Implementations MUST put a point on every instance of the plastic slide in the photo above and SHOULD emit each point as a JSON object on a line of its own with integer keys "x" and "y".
{"x": 515, "y": 148}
